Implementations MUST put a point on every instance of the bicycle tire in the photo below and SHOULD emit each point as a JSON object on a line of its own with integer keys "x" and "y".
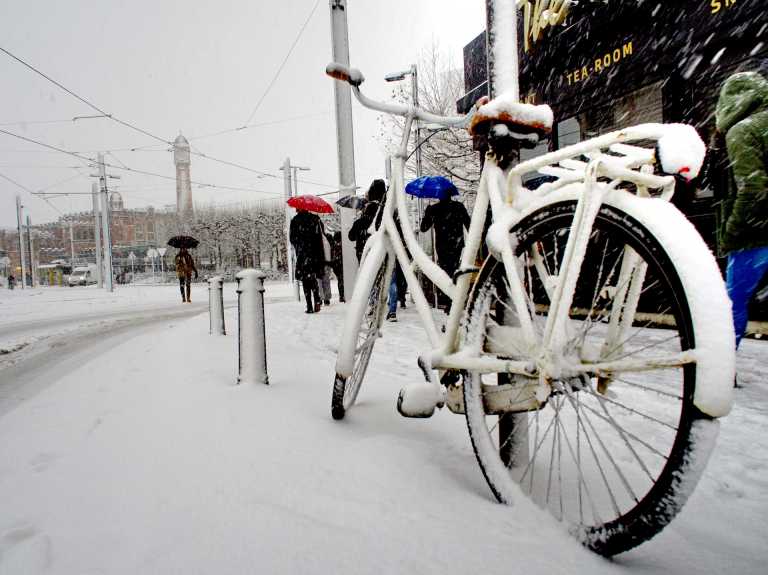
{"x": 346, "y": 389}
{"x": 656, "y": 471}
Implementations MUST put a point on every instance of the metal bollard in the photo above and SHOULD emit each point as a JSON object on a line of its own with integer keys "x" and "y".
{"x": 216, "y": 305}
{"x": 251, "y": 338}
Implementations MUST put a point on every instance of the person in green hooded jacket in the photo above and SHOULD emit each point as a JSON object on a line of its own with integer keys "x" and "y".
{"x": 742, "y": 117}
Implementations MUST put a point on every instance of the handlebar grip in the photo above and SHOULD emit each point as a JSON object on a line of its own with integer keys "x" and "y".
{"x": 341, "y": 72}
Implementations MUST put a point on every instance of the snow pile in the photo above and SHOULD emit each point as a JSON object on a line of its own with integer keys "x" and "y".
{"x": 681, "y": 151}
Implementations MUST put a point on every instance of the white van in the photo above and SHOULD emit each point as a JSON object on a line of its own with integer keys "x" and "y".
{"x": 83, "y": 275}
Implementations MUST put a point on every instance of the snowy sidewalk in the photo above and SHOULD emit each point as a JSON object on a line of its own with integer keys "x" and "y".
{"x": 149, "y": 459}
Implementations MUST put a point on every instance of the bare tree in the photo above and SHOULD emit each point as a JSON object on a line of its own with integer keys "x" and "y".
{"x": 446, "y": 152}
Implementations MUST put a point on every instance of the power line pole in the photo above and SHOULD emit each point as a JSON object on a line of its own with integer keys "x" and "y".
{"x": 105, "y": 223}
{"x": 71, "y": 243}
{"x": 97, "y": 233}
{"x": 345, "y": 141}
{"x": 31, "y": 254}
{"x": 296, "y": 177}
{"x": 22, "y": 256}
{"x": 288, "y": 170}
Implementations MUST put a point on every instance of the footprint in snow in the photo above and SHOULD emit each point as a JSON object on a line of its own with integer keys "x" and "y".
{"x": 23, "y": 549}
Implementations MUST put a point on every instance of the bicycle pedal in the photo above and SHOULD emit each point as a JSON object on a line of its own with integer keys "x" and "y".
{"x": 418, "y": 400}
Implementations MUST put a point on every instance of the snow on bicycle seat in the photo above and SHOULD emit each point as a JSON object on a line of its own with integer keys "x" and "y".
{"x": 524, "y": 121}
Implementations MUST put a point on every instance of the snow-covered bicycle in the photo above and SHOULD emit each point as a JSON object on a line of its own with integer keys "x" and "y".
{"x": 592, "y": 351}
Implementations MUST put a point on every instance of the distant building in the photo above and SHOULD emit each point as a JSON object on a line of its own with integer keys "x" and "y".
{"x": 181, "y": 158}
{"x": 131, "y": 229}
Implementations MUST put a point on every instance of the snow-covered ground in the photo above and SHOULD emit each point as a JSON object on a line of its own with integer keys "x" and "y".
{"x": 141, "y": 455}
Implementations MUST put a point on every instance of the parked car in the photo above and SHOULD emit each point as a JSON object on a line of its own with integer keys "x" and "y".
{"x": 83, "y": 275}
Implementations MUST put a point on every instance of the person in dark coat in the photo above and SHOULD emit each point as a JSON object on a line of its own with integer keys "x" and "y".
{"x": 358, "y": 233}
{"x": 306, "y": 238}
{"x": 741, "y": 116}
{"x": 449, "y": 219}
{"x": 337, "y": 261}
{"x": 185, "y": 266}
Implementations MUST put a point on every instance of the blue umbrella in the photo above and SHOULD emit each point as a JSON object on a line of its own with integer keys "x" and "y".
{"x": 436, "y": 187}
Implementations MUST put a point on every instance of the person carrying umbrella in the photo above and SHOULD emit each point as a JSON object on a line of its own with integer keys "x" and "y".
{"x": 449, "y": 219}
{"x": 185, "y": 265}
{"x": 358, "y": 233}
{"x": 306, "y": 238}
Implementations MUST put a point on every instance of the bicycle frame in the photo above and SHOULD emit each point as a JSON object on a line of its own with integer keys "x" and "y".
{"x": 510, "y": 201}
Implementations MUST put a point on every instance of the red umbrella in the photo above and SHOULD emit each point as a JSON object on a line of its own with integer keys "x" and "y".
{"x": 311, "y": 204}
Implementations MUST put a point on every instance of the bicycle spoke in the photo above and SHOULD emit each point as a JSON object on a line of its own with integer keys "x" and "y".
{"x": 610, "y": 458}
{"x": 609, "y": 420}
{"x": 612, "y": 496}
{"x": 649, "y": 388}
{"x": 622, "y": 406}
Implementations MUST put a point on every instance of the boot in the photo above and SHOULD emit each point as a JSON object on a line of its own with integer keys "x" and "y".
{"x": 189, "y": 289}
{"x": 307, "y": 297}
{"x": 183, "y": 297}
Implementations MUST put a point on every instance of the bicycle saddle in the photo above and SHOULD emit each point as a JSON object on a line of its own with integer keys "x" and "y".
{"x": 505, "y": 117}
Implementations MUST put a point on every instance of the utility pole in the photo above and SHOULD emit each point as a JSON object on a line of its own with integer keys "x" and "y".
{"x": 22, "y": 256}
{"x": 97, "y": 234}
{"x": 105, "y": 223}
{"x": 296, "y": 178}
{"x": 31, "y": 254}
{"x": 287, "y": 170}
{"x": 71, "y": 244}
{"x": 501, "y": 34}
{"x": 504, "y": 77}
{"x": 345, "y": 141}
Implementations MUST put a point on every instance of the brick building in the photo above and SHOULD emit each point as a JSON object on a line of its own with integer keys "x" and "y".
{"x": 131, "y": 229}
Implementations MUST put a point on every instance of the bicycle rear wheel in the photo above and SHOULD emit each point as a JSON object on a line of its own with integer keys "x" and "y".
{"x": 614, "y": 456}
{"x": 346, "y": 388}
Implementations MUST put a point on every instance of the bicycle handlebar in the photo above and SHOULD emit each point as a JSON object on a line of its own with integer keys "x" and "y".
{"x": 354, "y": 78}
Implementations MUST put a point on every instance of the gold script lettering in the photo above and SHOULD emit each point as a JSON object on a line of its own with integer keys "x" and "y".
{"x": 537, "y": 16}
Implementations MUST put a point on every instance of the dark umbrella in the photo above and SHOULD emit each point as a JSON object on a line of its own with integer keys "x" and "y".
{"x": 353, "y": 202}
{"x": 435, "y": 187}
{"x": 183, "y": 242}
{"x": 311, "y": 204}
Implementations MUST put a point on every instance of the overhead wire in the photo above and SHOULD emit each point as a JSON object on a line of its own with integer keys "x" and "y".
{"x": 35, "y": 122}
{"x": 83, "y": 100}
{"x": 30, "y": 192}
{"x": 163, "y": 140}
{"x": 90, "y": 161}
{"x": 282, "y": 64}
{"x": 259, "y": 125}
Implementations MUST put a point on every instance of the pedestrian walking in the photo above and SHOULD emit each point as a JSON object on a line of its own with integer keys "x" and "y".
{"x": 397, "y": 288}
{"x": 337, "y": 261}
{"x": 11, "y": 281}
{"x": 325, "y": 277}
{"x": 449, "y": 219}
{"x": 741, "y": 118}
{"x": 185, "y": 266}
{"x": 306, "y": 238}
{"x": 359, "y": 233}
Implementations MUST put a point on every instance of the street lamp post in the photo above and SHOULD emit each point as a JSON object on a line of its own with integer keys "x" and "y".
{"x": 397, "y": 77}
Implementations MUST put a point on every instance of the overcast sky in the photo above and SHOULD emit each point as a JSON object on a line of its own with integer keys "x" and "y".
{"x": 198, "y": 67}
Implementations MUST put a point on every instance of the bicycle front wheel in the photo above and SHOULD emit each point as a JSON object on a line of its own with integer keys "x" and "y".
{"x": 346, "y": 388}
{"x": 614, "y": 456}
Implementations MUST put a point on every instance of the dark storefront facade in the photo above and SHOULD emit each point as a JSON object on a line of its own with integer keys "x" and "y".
{"x": 609, "y": 64}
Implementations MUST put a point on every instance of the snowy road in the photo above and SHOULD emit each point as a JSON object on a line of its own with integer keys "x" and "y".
{"x": 145, "y": 457}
